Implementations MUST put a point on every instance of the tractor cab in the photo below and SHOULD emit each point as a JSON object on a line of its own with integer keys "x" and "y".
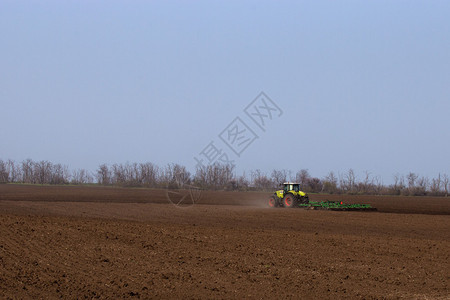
{"x": 290, "y": 186}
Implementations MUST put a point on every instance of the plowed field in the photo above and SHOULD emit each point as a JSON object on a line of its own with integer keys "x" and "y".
{"x": 92, "y": 242}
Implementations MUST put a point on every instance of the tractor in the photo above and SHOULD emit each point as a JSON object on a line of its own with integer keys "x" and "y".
{"x": 290, "y": 196}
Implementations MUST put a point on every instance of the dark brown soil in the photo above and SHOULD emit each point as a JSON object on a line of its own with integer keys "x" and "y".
{"x": 91, "y": 242}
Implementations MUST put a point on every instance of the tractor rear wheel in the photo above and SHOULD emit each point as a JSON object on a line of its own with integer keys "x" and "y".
{"x": 289, "y": 201}
{"x": 273, "y": 202}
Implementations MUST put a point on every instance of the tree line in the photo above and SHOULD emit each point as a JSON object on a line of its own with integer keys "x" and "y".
{"x": 219, "y": 177}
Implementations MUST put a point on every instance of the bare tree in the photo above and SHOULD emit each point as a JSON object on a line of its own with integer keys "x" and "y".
{"x": 351, "y": 180}
{"x": 149, "y": 174}
{"x": 81, "y": 176}
{"x": 28, "y": 171}
{"x": 103, "y": 175}
{"x": 242, "y": 183}
{"x": 399, "y": 184}
{"x": 445, "y": 184}
{"x": 435, "y": 185}
{"x": 181, "y": 175}
{"x": 411, "y": 177}
{"x": 43, "y": 172}
{"x": 347, "y": 182}
{"x": 330, "y": 183}
{"x": 278, "y": 177}
{"x": 59, "y": 174}
{"x": 421, "y": 187}
{"x": 314, "y": 185}
{"x": 367, "y": 184}
{"x": 4, "y": 172}
{"x": 14, "y": 171}
{"x": 378, "y": 185}
{"x": 302, "y": 178}
{"x": 201, "y": 176}
{"x": 260, "y": 180}
{"x": 215, "y": 176}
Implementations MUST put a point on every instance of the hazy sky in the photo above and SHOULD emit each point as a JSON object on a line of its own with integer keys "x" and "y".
{"x": 361, "y": 84}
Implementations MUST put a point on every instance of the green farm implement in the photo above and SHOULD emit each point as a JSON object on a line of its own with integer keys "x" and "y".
{"x": 333, "y": 205}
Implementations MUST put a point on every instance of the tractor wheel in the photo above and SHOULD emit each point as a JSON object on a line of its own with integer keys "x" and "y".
{"x": 289, "y": 201}
{"x": 273, "y": 202}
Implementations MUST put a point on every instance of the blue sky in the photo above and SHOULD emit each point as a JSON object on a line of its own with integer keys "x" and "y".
{"x": 362, "y": 84}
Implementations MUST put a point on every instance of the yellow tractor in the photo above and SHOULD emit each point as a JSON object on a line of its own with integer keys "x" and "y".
{"x": 290, "y": 196}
